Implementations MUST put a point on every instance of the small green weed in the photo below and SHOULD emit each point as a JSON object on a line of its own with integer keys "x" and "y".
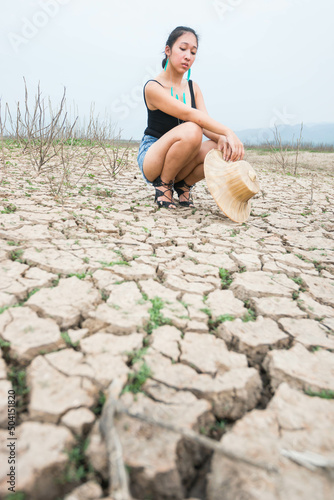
{"x": 80, "y": 276}
{"x": 114, "y": 263}
{"x": 104, "y": 295}
{"x": 16, "y": 255}
{"x": 324, "y": 393}
{"x": 319, "y": 267}
{"x": 225, "y": 277}
{"x": 9, "y": 209}
{"x": 299, "y": 282}
{"x": 4, "y": 308}
{"x": 68, "y": 340}
{"x": 213, "y": 324}
{"x": 137, "y": 379}
{"x": 31, "y": 293}
{"x": 115, "y": 306}
{"x": 156, "y": 317}
{"x": 17, "y": 377}
{"x": 250, "y": 315}
{"x": 18, "y": 495}
{"x": 118, "y": 252}
{"x": 55, "y": 282}
{"x": 135, "y": 356}
{"x": 302, "y": 258}
{"x": 215, "y": 430}
{"x": 100, "y": 403}
{"x": 4, "y": 343}
{"x": 222, "y": 318}
{"x": 78, "y": 468}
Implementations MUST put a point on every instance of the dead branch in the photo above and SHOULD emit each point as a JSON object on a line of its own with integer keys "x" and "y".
{"x": 2, "y": 131}
{"x": 208, "y": 443}
{"x": 298, "y": 147}
{"x": 312, "y": 188}
{"x": 118, "y": 488}
{"x": 113, "y": 406}
{"x": 308, "y": 459}
{"x": 278, "y": 152}
{"x": 114, "y": 157}
{"x": 41, "y": 127}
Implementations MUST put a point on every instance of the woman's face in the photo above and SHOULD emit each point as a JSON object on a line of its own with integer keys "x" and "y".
{"x": 183, "y": 52}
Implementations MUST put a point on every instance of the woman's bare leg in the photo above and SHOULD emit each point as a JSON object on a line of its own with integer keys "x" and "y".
{"x": 175, "y": 149}
{"x": 194, "y": 171}
{"x": 187, "y": 173}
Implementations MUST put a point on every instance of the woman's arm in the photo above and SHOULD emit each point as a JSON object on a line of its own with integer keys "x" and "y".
{"x": 223, "y": 141}
{"x": 157, "y": 98}
{"x": 201, "y": 105}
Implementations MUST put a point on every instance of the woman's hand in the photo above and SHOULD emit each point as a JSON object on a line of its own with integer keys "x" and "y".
{"x": 231, "y": 146}
{"x": 224, "y": 146}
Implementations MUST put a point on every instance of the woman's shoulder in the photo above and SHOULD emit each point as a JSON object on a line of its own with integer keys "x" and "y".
{"x": 152, "y": 82}
{"x": 195, "y": 85}
{"x": 156, "y": 80}
{"x": 196, "y": 88}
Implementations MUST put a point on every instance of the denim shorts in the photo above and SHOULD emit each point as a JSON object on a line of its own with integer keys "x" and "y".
{"x": 146, "y": 142}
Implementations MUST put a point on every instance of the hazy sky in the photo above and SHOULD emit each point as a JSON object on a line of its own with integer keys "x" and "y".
{"x": 260, "y": 62}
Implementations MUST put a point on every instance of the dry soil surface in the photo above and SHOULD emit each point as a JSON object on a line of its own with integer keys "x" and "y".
{"x": 221, "y": 328}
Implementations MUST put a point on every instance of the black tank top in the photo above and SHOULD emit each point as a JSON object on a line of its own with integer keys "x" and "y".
{"x": 158, "y": 122}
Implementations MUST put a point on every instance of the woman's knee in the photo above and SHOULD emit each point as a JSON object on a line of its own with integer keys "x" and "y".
{"x": 192, "y": 133}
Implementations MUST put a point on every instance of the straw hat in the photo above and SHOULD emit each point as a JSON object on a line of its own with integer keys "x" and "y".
{"x": 231, "y": 184}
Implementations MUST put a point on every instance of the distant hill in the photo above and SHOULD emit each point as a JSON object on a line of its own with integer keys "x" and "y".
{"x": 315, "y": 133}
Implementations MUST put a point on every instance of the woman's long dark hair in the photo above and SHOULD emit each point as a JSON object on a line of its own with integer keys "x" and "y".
{"x": 175, "y": 34}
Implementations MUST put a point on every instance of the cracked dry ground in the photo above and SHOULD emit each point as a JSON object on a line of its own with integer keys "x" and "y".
{"x": 226, "y": 329}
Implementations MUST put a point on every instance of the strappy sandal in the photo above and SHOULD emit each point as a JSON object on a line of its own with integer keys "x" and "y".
{"x": 182, "y": 187}
{"x": 169, "y": 185}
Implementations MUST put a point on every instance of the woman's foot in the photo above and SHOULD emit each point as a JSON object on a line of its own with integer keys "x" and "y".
{"x": 183, "y": 190}
{"x": 164, "y": 193}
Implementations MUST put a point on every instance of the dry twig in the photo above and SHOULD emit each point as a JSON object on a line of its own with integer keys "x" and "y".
{"x": 2, "y": 131}
{"x": 308, "y": 459}
{"x": 112, "y": 406}
{"x": 298, "y": 147}
{"x": 312, "y": 188}
{"x": 208, "y": 443}
{"x": 118, "y": 487}
{"x": 278, "y": 152}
